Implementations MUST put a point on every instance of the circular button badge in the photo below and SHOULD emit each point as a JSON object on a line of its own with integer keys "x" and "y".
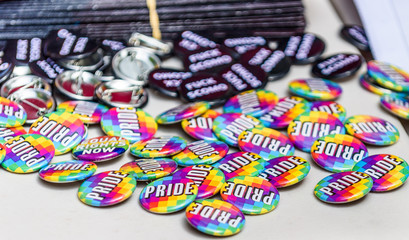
{"x": 338, "y": 152}
{"x": 206, "y": 216}
{"x": 308, "y": 127}
{"x": 244, "y": 44}
{"x": 208, "y": 179}
{"x": 88, "y": 112}
{"x": 241, "y": 164}
{"x": 355, "y": 35}
{"x": 252, "y": 195}
{"x": 244, "y": 78}
{"x": 167, "y": 80}
{"x": 27, "y": 153}
{"x": 64, "y": 129}
{"x": 201, "y": 152}
{"x": 303, "y": 49}
{"x": 343, "y": 187}
{"x": 227, "y": 127}
{"x": 284, "y": 112}
{"x": 396, "y": 104}
{"x": 285, "y": 171}
{"x": 389, "y": 76}
{"x": 150, "y": 169}
{"x": 330, "y": 107}
{"x": 11, "y": 114}
{"x": 201, "y": 127}
{"x": 266, "y": 142}
{"x": 181, "y": 112}
{"x": 107, "y": 188}
{"x": 315, "y": 88}
{"x": 253, "y": 102}
{"x": 208, "y": 60}
{"x": 372, "y": 130}
{"x": 130, "y": 123}
{"x": 369, "y": 84}
{"x": 67, "y": 171}
{"x": 168, "y": 195}
{"x": 9, "y": 133}
{"x": 99, "y": 149}
{"x": 158, "y": 147}
{"x": 337, "y": 66}
{"x": 388, "y": 172}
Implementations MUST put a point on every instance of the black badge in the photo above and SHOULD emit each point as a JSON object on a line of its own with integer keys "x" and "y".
{"x": 189, "y": 42}
{"x": 167, "y": 80}
{"x": 303, "y": 49}
{"x": 111, "y": 47}
{"x": 6, "y": 68}
{"x": 274, "y": 62}
{"x": 243, "y": 78}
{"x": 355, "y": 35}
{"x": 210, "y": 60}
{"x": 46, "y": 68}
{"x": 337, "y": 66}
{"x": 243, "y": 44}
{"x": 23, "y": 51}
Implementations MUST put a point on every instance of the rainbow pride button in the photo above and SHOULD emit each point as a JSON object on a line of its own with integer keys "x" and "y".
{"x": 343, "y": 187}
{"x": 201, "y": 152}
{"x": 315, "y": 88}
{"x": 215, "y": 217}
{"x": 284, "y": 112}
{"x": 158, "y": 147}
{"x": 285, "y": 171}
{"x": 372, "y": 130}
{"x": 252, "y": 102}
{"x": 67, "y": 171}
{"x": 150, "y": 169}
{"x": 389, "y": 76}
{"x": 107, "y": 188}
{"x": 388, "y": 172}
{"x": 208, "y": 179}
{"x": 27, "y": 153}
{"x": 396, "y": 104}
{"x": 241, "y": 164}
{"x": 11, "y": 113}
{"x": 338, "y": 152}
{"x": 252, "y": 195}
{"x": 9, "y": 133}
{"x": 168, "y": 195}
{"x": 101, "y": 148}
{"x": 88, "y": 112}
{"x": 308, "y": 127}
{"x": 330, "y": 107}
{"x": 181, "y": 112}
{"x": 369, "y": 84}
{"x": 201, "y": 127}
{"x": 2, "y": 152}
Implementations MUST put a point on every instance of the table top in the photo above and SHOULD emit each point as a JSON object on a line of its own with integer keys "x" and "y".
{"x": 32, "y": 208}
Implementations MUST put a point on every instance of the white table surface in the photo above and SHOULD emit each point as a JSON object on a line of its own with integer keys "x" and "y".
{"x": 32, "y": 208}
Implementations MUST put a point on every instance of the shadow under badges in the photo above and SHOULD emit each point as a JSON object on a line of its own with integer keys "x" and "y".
{"x": 315, "y": 88}
{"x": 202, "y": 152}
{"x": 11, "y": 113}
{"x": 158, "y": 147}
{"x": 67, "y": 171}
{"x": 201, "y": 127}
{"x": 330, "y": 107}
{"x": 241, "y": 164}
{"x": 150, "y": 169}
{"x": 9, "y": 133}
{"x": 100, "y": 149}
{"x": 181, "y": 112}
{"x": 88, "y": 112}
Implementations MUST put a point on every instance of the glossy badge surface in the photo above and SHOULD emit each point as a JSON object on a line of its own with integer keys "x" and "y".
{"x": 241, "y": 164}
{"x": 107, "y": 188}
{"x": 252, "y": 195}
{"x": 330, "y": 107}
{"x": 11, "y": 114}
{"x": 88, "y": 112}
{"x": 285, "y": 171}
{"x": 103, "y": 148}
{"x": 215, "y": 217}
{"x": 244, "y": 78}
{"x": 201, "y": 127}
{"x": 315, "y": 88}
{"x": 181, "y": 112}
{"x": 9, "y": 133}
{"x": 208, "y": 179}
{"x": 396, "y": 104}
{"x": 168, "y": 195}
{"x": 27, "y": 153}
{"x": 389, "y": 76}
{"x": 387, "y": 171}
{"x": 150, "y": 169}
{"x": 67, "y": 171}
{"x": 202, "y": 152}
{"x": 338, "y": 152}
{"x": 337, "y": 66}
{"x": 372, "y": 130}
{"x": 158, "y": 147}
{"x": 343, "y": 187}
{"x": 130, "y": 123}
{"x": 303, "y": 49}
{"x": 64, "y": 129}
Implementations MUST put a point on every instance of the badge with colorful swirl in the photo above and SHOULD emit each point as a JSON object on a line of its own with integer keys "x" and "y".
{"x": 338, "y": 152}
{"x": 201, "y": 152}
{"x": 308, "y": 127}
{"x": 241, "y": 164}
{"x": 27, "y": 153}
{"x": 396, "y": 104}
{"x": 252, "y": 102}
{"x": 284, "y": 112}
{"x": 158, "y": 147}
{"x": 252, "y": 195}
{"x": 67, "y": 171}
{"x": 388, "y": 172}
{"x": 88, "y": 112}
{"x": 168, "y": 195}
{"x": 330, "y": 107}
{"x": 266, "y": 142}
{"x": 101, "y": 148}
{"x": 208, "y": 179}
{"x": 200, "y": 127}
{"x": 130, "y": 123}
{"x": 372, "y": 130}
{"x": 315, "y": 88}
{"x": 150, "y": 169}
{"x": 389, "y": 76}
{"x": 205, "y": 216}
{"x": 9, "y": 133}
{"x": 343, "y": 187}
{"x": 285, "y": 171}
{"x": 185, "y": 111}
{"x": 117, "y": 187}
{"x": 11, "y": 113}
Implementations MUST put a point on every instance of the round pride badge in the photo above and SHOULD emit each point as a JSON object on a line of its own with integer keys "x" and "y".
{"x": 201, "y": 127}
{"x": 202, "y": 152}
{"x": 67, "y": 171}
{"x": 241, "y": 164}
{"x": 253, "y": 102}
{"x": 158, "y": 147}
{"x": 11, "y": 114}
{"x": 315, "y": 89}
{"x": 150, "y": 169}
{"x": 88, "y": 112}
{"x": 185, "y": 111}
